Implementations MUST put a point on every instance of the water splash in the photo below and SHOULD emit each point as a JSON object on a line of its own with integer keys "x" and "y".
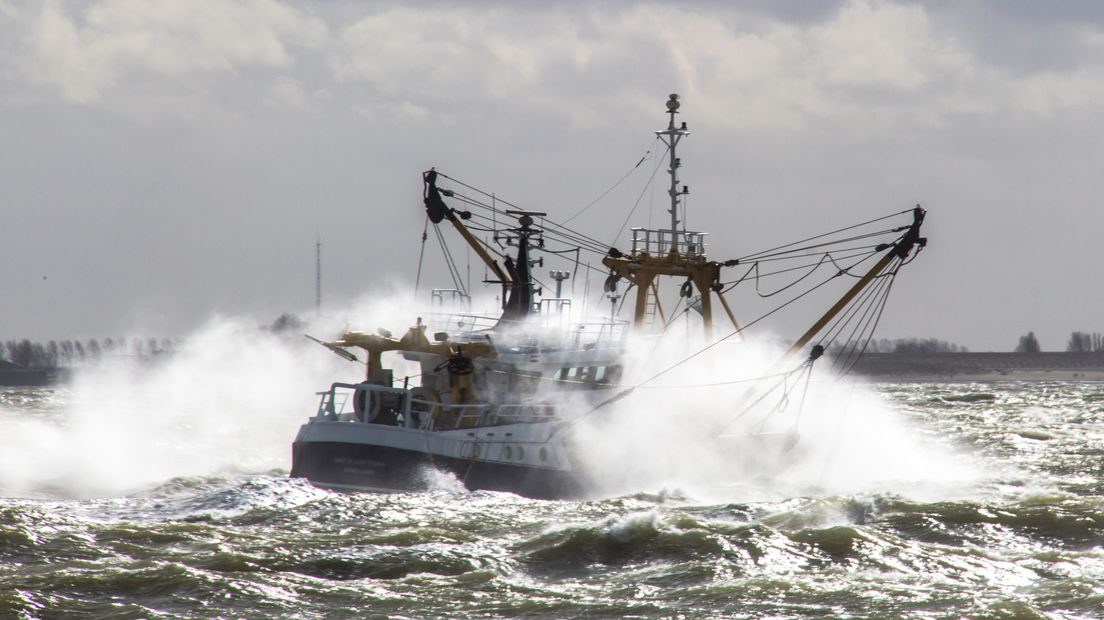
{"x": 709, "y": 427}
{"x": 229, "y": 400}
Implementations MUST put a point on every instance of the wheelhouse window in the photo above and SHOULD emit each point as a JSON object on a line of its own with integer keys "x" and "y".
{"x": 592, "y": 377}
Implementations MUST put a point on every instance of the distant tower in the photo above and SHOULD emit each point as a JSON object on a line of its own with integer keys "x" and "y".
{"x": 318, "y": 275}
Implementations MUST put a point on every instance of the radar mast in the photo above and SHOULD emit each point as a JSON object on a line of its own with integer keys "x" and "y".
{"x": 670, "y": 252}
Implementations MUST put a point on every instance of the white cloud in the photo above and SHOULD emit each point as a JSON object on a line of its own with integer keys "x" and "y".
{"x": 458, "y": 52}
{"x": 760, "y": 73}
{"x": 114, "y": 41}
{"x": 872, "y": 64}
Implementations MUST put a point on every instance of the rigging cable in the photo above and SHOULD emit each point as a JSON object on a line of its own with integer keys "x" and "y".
{"x": 828, "y": 234}
{"x": 477, "y": 203}
{"x": 421, "y": 255}
{"x": 659, "y": 162}
{"x": 865, "y": 339}
{"x": 454, "y": 272}
{"x": 647, "y": 154}
{"x": 628, "y": 391}
{"x": 792, "y": 252}
{"x": 805, "y": 365}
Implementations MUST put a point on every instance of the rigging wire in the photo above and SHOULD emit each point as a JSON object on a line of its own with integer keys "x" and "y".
{"x": 840, "y": 270}
{"x": 563, "y": 234}
{"x": 836, "y": 329}
{"x": 873, "y": 328}
{"x": 476, "y": 203}
{"x": 855, "y": 346}
{"x": 765, "y": 275}
{"x": 627, "y": 391}
{"x": 738, "y": 330}
{"x": 867, "y": 309}
{"x": 859, "y": 338}
{"x": 659, "y": 162}
{"x": 421, "y": 255}
{"x": 454, "y": 271}
{"x": 787, "y": 253}
{"x": 828, "y": 234}
{"x": 647, "y": 155}
{"x": 807, "y": 364}
{"x": 791, "y": 284}
{"x": 560, "y": 233}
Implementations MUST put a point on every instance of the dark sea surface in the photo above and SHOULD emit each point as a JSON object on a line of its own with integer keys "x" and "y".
{"x": 1024, "y": 538}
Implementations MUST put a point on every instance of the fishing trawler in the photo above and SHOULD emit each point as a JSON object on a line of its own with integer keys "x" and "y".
{"x": 498, "y": 396}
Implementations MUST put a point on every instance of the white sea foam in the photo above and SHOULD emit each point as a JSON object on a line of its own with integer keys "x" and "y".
{"x": 702, "y": 427}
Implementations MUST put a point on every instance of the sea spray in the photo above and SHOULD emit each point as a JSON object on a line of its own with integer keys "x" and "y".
{"x": 228, "y": 400}
{"x": 733, "y": 423}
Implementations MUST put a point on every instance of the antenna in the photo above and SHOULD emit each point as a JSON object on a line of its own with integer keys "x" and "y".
{"x": 318, "y": 275}
{"x": 671, "y": 137}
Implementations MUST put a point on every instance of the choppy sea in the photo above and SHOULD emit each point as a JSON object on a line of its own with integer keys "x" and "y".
{"x": 1023, "y": 539}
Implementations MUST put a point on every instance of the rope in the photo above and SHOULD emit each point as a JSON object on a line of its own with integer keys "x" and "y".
{"x": 471, "y": 461}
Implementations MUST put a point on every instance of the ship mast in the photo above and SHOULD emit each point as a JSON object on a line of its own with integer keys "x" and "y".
{"x": 671, "y": 137}
{"x": 670, "y": 252}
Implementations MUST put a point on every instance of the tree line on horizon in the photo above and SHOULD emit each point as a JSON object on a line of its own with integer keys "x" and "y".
{"x": 63, "y": 353}
{"x": 905, "y": 345}
{"x": 1079, "y": 342}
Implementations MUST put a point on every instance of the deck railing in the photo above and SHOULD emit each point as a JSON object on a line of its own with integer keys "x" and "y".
{"x": 662, "y": 242}
{"x": 340, "y": 403}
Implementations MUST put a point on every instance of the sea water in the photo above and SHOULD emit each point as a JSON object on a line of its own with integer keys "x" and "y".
{"x": 1021, "y": 536}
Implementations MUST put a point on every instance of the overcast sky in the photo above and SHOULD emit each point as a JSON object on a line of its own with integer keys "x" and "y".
{"x": 161, "y": 161}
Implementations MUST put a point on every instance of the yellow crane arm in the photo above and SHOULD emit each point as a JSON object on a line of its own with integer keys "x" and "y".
{"x": 480, "y": 251}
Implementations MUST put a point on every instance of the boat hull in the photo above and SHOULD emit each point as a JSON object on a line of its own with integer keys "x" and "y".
{"x": 380, "y": 468}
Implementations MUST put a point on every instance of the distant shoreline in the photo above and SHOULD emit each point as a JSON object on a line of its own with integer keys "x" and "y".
{"x": 903, "y": 367}
{"x": 33, "y": 377}
{"x": 952, "y": 367}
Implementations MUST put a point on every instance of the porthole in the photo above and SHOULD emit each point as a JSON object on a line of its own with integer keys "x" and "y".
{"x": 521, "y": 453}
{"x": 507, "y": 452}
{"x": 543, "y": 454}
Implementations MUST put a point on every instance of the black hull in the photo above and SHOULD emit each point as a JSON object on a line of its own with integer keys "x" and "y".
{"x": 368, "y": 467}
